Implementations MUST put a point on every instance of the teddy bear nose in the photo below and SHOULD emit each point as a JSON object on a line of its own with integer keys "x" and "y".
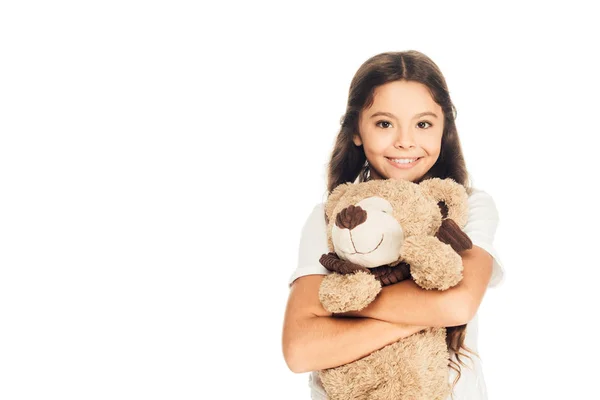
{"x": 350, "y": 217}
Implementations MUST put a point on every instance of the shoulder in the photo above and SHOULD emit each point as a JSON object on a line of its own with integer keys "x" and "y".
{"x": 482, "y": 204}
{"x": 313, "y": 244}
{"x": 477, "y": 193}
{"x": 483, "y": 219}
{"x": 481, "y": 228}
{"x": 315, "y": 227}
{"x": 317, "y": 215}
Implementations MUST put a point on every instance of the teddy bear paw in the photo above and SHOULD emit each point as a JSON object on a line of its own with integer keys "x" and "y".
{"x": 353, "y": 292}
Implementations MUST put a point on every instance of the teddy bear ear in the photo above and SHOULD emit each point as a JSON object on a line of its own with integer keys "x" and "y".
{"x": 451, "y": 234}
{"x": 450, "y": 196}
{"x": 333, "y": 198}
{"x": 443, "y": 208}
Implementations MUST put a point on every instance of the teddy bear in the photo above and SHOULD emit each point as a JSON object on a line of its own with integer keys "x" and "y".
{"x": 380, "y": 232}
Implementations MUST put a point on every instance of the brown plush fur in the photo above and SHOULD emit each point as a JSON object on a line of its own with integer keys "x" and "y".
{"x": 414, "y": 368}
{"x": 355, "y": 291}
{"x": 384, "y": 274}
{"x": 432, "y": 215}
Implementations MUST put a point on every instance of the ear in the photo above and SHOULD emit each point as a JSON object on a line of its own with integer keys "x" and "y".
{"x": 333, "y": 199}
{"x": 451, "y": 234}
{"x": 356, "y": 139}
{"x": 451, "y": 197}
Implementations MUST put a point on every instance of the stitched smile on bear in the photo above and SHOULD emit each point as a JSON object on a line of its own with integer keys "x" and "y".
{"x": 358, "y": 252}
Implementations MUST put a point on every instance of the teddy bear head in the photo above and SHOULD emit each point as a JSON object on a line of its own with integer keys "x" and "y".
{"x": 369, "y": 222}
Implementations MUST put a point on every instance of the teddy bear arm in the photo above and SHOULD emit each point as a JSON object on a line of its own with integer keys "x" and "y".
{"x": 433, "y": 264}
{"x": 353, "y": 292}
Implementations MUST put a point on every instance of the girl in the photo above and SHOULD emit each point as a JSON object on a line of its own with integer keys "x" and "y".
{"x": 399, "y": 124}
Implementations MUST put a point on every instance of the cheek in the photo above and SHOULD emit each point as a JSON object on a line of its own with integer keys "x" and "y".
{"x": 375, "y": 145}
{"x": 433, "y": 144}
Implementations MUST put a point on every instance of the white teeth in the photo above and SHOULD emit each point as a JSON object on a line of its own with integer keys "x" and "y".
{"x": 403, "y": 160}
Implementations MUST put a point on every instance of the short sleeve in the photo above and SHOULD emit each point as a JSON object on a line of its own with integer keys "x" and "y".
{"x": 481, "y": 228}
{"x": 313, "y": 244}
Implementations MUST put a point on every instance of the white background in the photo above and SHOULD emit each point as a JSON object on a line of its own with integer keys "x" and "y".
{"x": 158, "y": 160}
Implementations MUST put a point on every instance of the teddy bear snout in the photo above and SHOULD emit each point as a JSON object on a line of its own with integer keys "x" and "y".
{"x": 350, "y": 217}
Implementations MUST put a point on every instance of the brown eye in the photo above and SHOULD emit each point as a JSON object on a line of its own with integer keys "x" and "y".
{"x": 425, "y": 122}
{"x": 383, "y": 122}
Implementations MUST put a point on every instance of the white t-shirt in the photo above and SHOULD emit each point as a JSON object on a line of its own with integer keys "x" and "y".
{"x": 481, "y": 228}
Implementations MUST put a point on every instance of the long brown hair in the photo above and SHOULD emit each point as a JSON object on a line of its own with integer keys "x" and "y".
{"x": 348, "y": 161}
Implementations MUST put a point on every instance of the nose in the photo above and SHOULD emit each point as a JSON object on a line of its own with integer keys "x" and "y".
{"x": 405, "y": 139}
{"x": 350, "y": 217}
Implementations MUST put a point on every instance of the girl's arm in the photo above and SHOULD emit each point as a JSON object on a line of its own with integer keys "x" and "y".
{"x": 313, "y": 339}
{"x": 407, "y": 303}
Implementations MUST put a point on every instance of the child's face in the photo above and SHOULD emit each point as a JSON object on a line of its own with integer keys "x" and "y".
{"x": 402, "y": 133}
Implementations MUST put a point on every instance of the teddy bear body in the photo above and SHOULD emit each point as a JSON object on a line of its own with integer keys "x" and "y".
{"x": 413, "y": 368}
{"x": 381, "y": 232}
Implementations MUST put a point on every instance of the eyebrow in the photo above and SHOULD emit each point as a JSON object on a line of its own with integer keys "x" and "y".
{"x": 387, "y": 114}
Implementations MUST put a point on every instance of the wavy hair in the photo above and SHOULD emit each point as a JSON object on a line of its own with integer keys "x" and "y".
{"x": 348, "y": 162}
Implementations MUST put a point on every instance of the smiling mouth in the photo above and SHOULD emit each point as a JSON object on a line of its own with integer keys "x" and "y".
{"x": 358, "y": 252}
